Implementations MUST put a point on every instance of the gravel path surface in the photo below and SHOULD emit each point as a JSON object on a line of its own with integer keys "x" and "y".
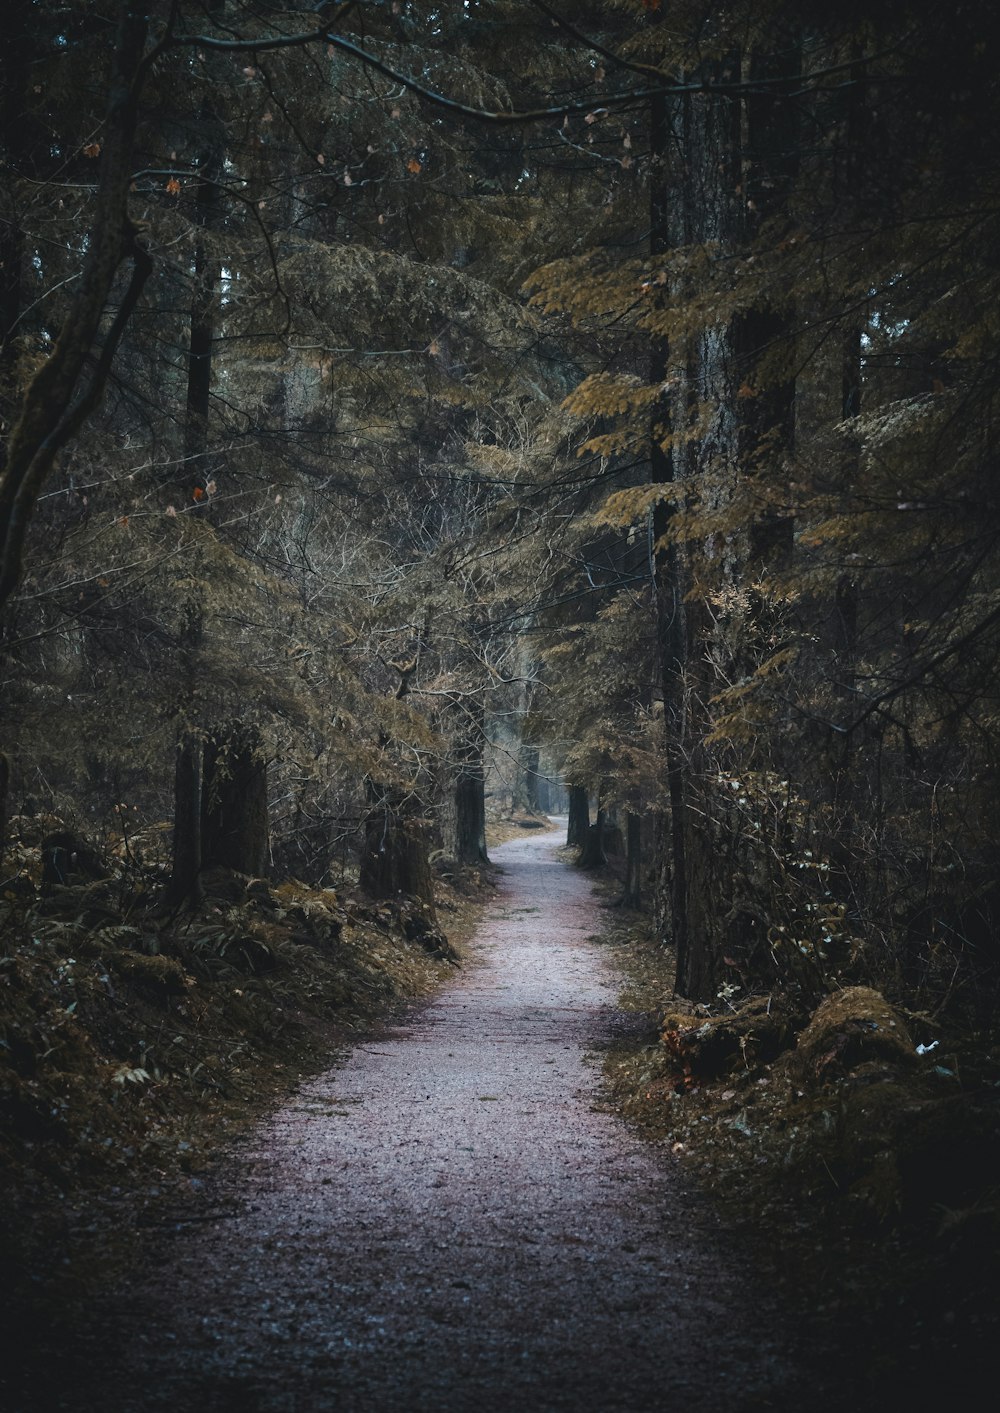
{"x": 450, "y": 1220}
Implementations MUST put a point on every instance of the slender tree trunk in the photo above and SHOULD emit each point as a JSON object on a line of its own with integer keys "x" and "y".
{"x": 61, "y": 395}
{"x": 668, "y": 585}
{"x": 186, "y": 861}
{"x": 15, "y": 61}
{"x": 193, "y": 812}
{"x": 579, "y": 817}
{"x": 4, "y": 791}
{"x": 632, "y": 894}
{"x": 525, "y": 791}
{"x": 234, "y": 831}
{"x": 207, "y": 277}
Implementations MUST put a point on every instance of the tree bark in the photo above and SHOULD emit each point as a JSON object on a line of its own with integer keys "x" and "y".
{"x": 186, "y": 860}
{"x": 526, "y": 792}
{"x": 668, "y": 587}
{"x": 4, "y": 791}
{"x": 234, "y": 832}
{"x": 632, "y": 894}
{"x": 394, "y": 857}
{"x": 465, "y": 814}
{"x": 592, "y": 854}
{"x": 15, "y": 63}
{"x": 579, "y": 817}
{"x": 193, "y": 811}
{"x": 470, "y": 818}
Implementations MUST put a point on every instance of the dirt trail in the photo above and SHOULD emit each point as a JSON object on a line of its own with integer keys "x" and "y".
{"x": 450, "y": 1221}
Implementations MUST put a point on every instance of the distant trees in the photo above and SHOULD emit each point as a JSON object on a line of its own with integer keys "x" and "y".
{"x": 825, "y": 635}
{"x": 303, "y": 339}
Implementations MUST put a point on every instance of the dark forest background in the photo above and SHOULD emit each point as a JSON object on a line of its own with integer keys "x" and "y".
{"x": 418, "y": 414}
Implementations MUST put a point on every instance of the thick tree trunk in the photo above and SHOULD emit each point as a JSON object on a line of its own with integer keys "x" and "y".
{"x": 592, "y": 854}
{"x": 395, "y": 858}
{"x": 234, "y": 830}
{"x": 579, "y": 817}
{"x": 205, "y": 831}
{"x": 464, "y": 824}
{"x": 469, "y": 844}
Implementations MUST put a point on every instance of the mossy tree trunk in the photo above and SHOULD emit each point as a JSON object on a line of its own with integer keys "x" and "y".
{"x": 234, "y": 832}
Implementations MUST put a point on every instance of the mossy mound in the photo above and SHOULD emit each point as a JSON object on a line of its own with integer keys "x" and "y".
{"x": 753, "y": 1034}
{"x": 852, "y": 1028}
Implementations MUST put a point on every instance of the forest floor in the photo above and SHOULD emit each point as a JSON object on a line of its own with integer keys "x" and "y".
{"x": 455, "y": 1215}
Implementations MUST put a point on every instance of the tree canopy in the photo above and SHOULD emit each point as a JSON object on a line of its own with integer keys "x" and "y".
{"x": 430, "y": 403}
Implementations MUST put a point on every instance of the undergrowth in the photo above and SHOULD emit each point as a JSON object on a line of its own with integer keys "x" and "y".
{"x": 860, "y": 1172}
{"x": 135, "y": 1044}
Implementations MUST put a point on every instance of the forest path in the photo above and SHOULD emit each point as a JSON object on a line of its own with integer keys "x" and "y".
{"x": 449, "y": 1220}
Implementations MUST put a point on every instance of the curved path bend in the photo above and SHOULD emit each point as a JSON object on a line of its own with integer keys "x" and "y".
{"x": 450, "y": 1220}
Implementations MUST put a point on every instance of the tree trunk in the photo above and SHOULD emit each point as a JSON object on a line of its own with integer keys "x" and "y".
{"x": 69, "y": 385}
{"x": 668, "y": 586}
{"x": 544, "y": 794}
{"x": 234, "y": 801}
{"x": 15, "y": 66}
{"x": 526, "y": 796}
{"x": 4, "y": 789}
{"x": 470, "y": 818}
{"x": 465, "y": 814}
{"x": 395, "y": 857}
{"x": 208, "y": 215}
{"x": 592, "y": 855}
{"x": 186, "y": 861}
{"x": 201, "y": 837}
{"x": 632, "y": 895}
{"x": 579, "y": 817}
